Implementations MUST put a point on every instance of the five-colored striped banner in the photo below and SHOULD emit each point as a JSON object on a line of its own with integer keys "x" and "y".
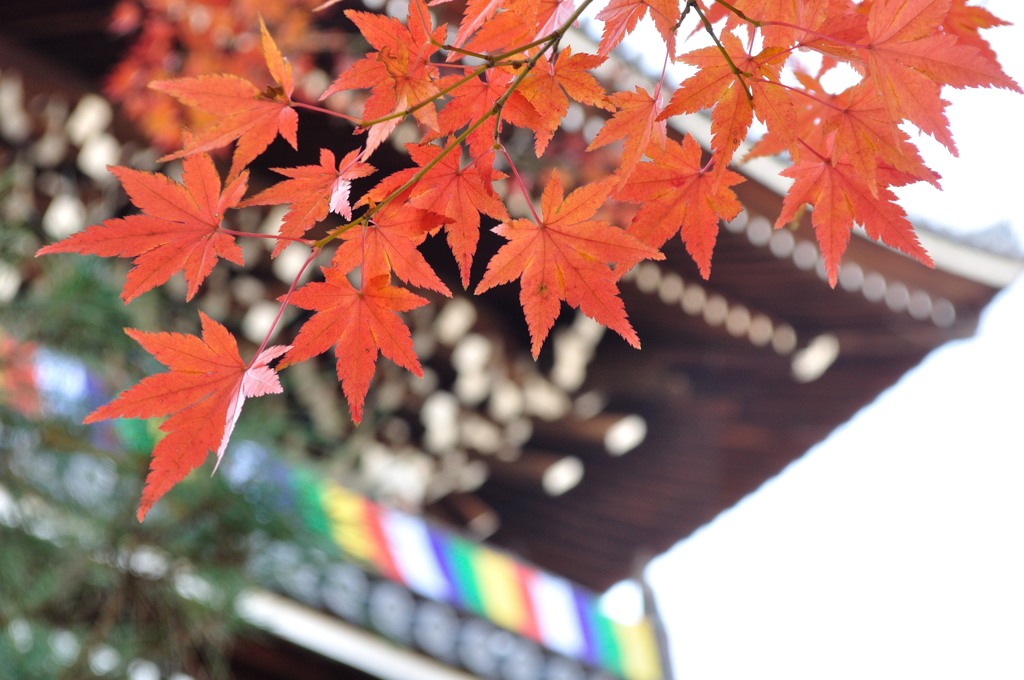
{"x": 446, "y": 567}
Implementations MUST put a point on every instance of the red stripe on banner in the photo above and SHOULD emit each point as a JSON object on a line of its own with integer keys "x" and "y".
{"x": 384, "y": 560}
{"x": 524, "y": 578}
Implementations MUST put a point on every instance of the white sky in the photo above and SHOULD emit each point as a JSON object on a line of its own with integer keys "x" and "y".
{"x": 895, "y": 549}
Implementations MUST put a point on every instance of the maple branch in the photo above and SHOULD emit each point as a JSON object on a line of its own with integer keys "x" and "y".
{"x": 682, "y": 15}
{"x": 463, "y": 67}
{"x": 519, "y": 181}
{"x": 499, "y": 105}
{"x": 737, "y": 12}
{"x": 522, "y": 48}
{"x": 455, "y": 143}
{"x": 721, "y": 48}
{"x": 338, "y": 231}
{"x": 661, "y": 80}
{"x": 284, "y": 305}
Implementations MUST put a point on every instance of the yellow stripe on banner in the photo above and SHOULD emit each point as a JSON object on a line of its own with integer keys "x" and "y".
{"x": 502, "y": 595}
{"x": 639, "y": 651}
{"x": 347, "y": 514}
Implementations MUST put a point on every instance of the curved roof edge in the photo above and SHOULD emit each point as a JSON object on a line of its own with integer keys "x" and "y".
{"x": 956, "y": 257}
{"x": 951, "y": 254}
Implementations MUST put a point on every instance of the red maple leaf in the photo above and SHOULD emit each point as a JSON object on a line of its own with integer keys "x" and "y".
{"x": 567, "y": 256}
{"x": 313, "y": 191}
{"x": 203, "y": 393}
{"x": 178, "y": 230}
{"x": 242, "y": 112}
{"x": 678, "y": 194}
{"x": 839, "y": 197}
{"x": 359, "y": 324}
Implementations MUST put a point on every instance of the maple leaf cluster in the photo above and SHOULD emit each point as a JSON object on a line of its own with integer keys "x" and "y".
{"x": 505, "y": 69}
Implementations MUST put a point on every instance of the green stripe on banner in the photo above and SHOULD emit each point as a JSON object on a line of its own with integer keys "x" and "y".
{"x": 460, "y": 558}
{"x": 136, "y": 435}
{"x": 309, "y": 504}
{"x": 605, "y": 639}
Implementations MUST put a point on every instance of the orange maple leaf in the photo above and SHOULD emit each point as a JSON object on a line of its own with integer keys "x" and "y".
{"x": 548, "y": 87}
{"x": 389, "y": 244}
{"x": 475, "y": 14}
{"x": 475, "y": 99}
{"x": 313, "y": 191}
{"x": 359, "y": 324}
{"x": 202, "y": 393}
{"x": 732, "y": 98}
{"x": 839, "y": 197}
{"x": 783, "y": 22}
{"x": 178, "y": 230}
{"x": 516, "y": 24}
{"x": 461, "y": 195}
{"x": 399, "y": 74}
{"x": 620, "y": 17}
{"x": 909, "y": 59}
{"x": 242, "y": 111}
{"x": 965, "y": 21}
{"x": 567, "y": 256}
{"x": 866, "y": 136}
{"x": 678, "y": 194}
{"x": 636, "y": 122}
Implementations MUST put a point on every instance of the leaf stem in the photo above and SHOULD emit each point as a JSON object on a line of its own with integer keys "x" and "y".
{"x": 275, "y": 237}
{"x": 682, "y": 15}
{"x": 519, "y": 181}
{"x": 737, "y": 12}
{"x": 805, "y": 93}
{"x": 320, "y": 109}
{"x": 284, "y": 304}
{"x": 811, "y": 31}
{"x": 721, "y": 48}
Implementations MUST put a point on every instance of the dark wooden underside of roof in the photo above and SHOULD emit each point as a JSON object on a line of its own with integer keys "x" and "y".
{"x": 723, "y": 414}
